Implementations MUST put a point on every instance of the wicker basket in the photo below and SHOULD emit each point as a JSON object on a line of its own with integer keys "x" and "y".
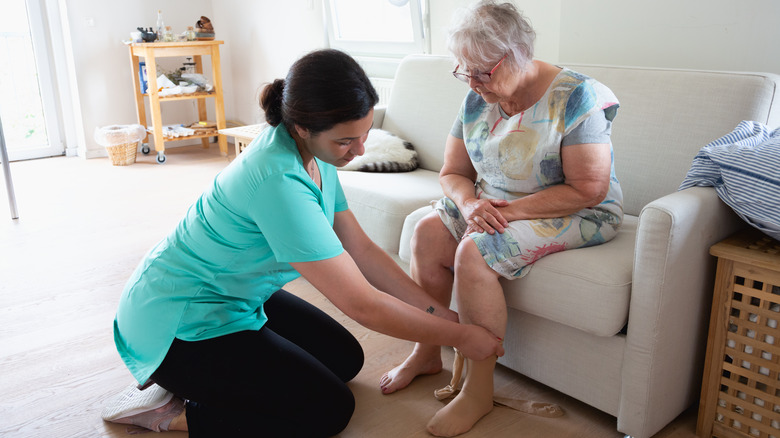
{"x": 121, "y": 142}
{"x": 123, "y": 154}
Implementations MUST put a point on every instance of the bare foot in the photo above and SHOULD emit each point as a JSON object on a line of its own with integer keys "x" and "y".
{"x": 420, "y": 362}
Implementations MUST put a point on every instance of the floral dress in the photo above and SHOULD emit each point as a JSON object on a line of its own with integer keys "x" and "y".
{"x": 520, "y": 155}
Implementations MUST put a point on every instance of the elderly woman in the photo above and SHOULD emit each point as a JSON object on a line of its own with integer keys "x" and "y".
{"x": 527, "y": 172}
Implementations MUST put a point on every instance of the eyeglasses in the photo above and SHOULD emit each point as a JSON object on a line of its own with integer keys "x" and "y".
{"x": 479, "y": 77}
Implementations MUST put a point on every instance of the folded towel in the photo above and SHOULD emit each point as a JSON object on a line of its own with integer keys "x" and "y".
{"x": 744, "y": 168}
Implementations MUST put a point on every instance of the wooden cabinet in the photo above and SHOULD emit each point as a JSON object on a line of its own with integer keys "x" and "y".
{"x": 195, "y": 49}
{"x": 740, "y": 395}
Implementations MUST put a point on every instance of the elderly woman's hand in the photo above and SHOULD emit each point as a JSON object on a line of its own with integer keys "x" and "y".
{"x": 482, "y": 215}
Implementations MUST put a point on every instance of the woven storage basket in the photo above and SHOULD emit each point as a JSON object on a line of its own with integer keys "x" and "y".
{"x": 123, "y": 154}
{"x": 121, "y": 142}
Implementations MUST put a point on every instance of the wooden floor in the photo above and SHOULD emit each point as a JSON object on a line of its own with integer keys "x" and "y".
{"x": 83, "y": 226}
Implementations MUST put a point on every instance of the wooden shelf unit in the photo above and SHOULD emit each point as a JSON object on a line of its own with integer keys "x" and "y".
{"x": 194, "y": 49}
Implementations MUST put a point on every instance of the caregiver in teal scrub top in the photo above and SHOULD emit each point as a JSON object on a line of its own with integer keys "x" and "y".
{"x": 203, "y": 323}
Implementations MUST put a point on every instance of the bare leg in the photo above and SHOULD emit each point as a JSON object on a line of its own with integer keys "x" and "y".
{"x": 481, "y": 302}
{"x": 433, "y": 253}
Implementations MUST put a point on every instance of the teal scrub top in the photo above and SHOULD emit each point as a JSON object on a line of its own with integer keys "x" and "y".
{"x": 230, "y": 253}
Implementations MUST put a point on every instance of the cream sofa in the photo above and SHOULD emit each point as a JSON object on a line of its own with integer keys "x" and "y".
{"x": 620, "y": 326}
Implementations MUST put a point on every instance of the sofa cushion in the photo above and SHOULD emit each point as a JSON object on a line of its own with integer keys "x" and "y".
{"x": 588, "y": 288}
{"x": 381, "y": 201}
{"x": 423, "y": 104}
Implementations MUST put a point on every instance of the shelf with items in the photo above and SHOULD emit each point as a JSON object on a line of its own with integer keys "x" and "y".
{"x": 194, "y": 49}
{"x": 196, "y": 95}
{"x": 189, "y": 137}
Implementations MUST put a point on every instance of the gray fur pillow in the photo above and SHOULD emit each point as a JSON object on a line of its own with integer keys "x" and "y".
{"x": 385, "y": 152}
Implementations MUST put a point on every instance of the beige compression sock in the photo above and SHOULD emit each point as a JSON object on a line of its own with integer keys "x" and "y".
{"x": 530, "y": 407}
{"x": 454, "y": 386}
{"x": 436, "y": 425}
{"x": 473, "y": 402}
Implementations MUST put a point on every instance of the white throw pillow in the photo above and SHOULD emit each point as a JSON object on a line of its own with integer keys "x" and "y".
{"x": 385, "y": 152}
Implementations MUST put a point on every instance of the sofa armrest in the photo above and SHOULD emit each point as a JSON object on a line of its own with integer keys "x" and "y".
{"x": 671, "y": 295}
{"x": 379, "y": 116}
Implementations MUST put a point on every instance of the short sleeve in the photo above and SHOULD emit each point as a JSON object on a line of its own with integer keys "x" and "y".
{"x": 289, "y": 213}
{"x": 471, "y": 108}
{"x": 457, "y": 128}
{"x": 597, "y": 128}
{"x": 341, "y": 199}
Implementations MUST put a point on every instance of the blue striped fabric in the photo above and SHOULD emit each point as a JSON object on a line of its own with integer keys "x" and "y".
{"x": 744, "y": 168}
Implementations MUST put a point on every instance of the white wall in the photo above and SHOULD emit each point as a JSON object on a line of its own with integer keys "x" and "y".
{"x": 263, "y": 38}
{"x": 739, "y": 35}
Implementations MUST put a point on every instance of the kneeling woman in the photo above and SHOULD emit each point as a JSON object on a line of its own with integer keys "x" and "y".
{"x": 203, "y": 316}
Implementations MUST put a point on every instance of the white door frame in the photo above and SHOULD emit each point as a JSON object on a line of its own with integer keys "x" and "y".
{"x": 41, "y": 36}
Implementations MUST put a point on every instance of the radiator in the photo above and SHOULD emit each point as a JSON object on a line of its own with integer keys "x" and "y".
{"x": 383, "y": 87}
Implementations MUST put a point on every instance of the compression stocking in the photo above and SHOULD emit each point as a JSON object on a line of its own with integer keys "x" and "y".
{"x": 476, "y": 399}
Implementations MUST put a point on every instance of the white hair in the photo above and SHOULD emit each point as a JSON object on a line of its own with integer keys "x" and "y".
{"x": 485, "y": 32}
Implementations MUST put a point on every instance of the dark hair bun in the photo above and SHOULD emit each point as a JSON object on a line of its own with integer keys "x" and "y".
{"x": 271, "y": 102}
{"x": 322, "y": 89}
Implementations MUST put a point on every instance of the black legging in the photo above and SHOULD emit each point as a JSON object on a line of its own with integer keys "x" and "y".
{"x": 285, "y": 380}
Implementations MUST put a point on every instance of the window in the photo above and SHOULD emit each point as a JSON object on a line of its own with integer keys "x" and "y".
{"x": 380, "y": 28}
{"x": 29, "y": 116}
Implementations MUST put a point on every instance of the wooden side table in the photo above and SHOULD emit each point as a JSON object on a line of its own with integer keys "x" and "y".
{"x": 243, "y": 135}
{"x": 740, "y": 395}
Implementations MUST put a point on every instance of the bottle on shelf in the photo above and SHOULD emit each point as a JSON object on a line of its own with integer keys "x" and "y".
{"x": 189, "y": 66}
{"x": 160, "y": 26}
{"x": 168, "y": 35}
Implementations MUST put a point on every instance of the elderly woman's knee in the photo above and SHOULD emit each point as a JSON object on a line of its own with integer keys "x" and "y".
{"x": 470, "y": 262}
{"x": 468, "y": 256}
{"x": 426, "y": 232}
